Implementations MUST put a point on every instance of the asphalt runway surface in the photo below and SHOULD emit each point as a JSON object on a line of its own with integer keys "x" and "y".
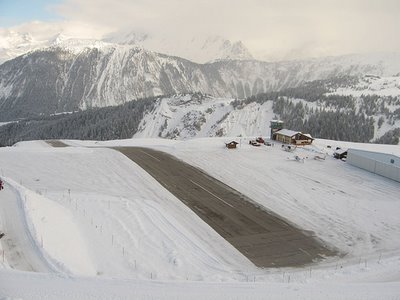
{"x": 263, "y": 237}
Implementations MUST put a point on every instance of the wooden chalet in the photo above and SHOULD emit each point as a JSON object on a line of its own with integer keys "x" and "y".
{"x": 231, "y": 145}
{"x": 292, "y": 137}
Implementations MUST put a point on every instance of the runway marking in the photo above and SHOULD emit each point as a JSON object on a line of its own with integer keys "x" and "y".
{"x": 211, "y": 193}
{"x": 150, "y": 155}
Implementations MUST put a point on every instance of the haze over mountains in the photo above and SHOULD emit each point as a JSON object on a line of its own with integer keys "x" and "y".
{"x": 199, "y": 49}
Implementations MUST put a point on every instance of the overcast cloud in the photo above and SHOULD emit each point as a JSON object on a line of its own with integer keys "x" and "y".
{"x": 271, "y": 29}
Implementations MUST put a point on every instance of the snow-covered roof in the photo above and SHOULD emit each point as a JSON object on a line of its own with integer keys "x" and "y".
{"x": 288, "y": 132}
{"x": 341, "y": 151}
{"x": 308, "y": 135}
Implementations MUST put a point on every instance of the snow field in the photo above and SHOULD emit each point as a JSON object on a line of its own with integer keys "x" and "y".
{"x": 348, "y": 208}
{"x": 381, "y": 86}
{"x": 45, "y": 286}
{"x": 132, "y": 226}
{"x": 136, "y": 239}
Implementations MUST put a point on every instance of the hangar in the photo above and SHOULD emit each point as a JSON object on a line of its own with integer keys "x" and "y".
{"x": 384, "y": 164}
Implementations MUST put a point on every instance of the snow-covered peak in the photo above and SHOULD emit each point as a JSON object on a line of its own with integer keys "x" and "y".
{"x": 203, "y": 49}
{"x": 58, "y": 39}
{"x": 77, "y": 45}
{"x": 126, "y": 38}
{"x": 14, "y": 43}
{"x": 199, "y": 49}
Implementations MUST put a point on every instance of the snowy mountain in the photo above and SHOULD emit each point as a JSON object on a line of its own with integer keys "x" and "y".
{"x": 77, "y": 74}
{"x": 199, "y": 49}
{"x": 358, "y": 109}
{"x": 13, "y": 44}
{"x": 189, "y": 116}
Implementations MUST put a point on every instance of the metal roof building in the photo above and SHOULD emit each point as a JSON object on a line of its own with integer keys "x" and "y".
{"x": 387, "y": 165}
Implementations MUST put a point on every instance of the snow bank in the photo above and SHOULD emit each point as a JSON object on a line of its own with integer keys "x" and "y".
{"x": 59, "y": 235}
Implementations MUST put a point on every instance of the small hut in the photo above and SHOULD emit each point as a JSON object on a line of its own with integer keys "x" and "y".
{"x": 231, "y": 145}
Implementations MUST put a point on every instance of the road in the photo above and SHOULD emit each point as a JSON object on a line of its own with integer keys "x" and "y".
{"x": 19, "y": 247}
{"x": 263, "y": 237}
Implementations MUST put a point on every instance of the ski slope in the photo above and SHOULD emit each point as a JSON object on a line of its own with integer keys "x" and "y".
{"x": 110, "y": 231}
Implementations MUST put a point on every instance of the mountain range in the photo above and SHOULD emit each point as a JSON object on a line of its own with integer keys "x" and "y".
{"x": 79, "y": 74}
{"x": 199, "y": 49}
{"x": 350, "y": 108}
{"x": 238, "y": 95}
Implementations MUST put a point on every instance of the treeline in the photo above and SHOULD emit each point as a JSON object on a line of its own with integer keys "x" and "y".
{"x": 118, "y": 122}
{"x": 340, "y": 124}
{"x": 312, "y": 109}
{"x": 310, "y": 91}
{"x": 390, "y": 137}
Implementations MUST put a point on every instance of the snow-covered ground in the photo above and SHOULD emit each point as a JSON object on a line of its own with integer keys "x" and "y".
{"x": 4, "y": 123}
{"x": 110, "y": 231}
{"x": 185, "y": 117}
{"x": 372, "y": 85}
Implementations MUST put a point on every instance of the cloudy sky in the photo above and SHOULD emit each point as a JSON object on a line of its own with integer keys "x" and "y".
{"x": 271, "y": 29}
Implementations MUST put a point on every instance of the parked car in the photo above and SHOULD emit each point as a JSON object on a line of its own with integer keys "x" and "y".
{"x": 260, "y": 140}
{"x": 254, "y": 143}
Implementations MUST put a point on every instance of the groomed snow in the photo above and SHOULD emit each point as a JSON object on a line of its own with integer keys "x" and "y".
{"x": 133, "y": 238}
